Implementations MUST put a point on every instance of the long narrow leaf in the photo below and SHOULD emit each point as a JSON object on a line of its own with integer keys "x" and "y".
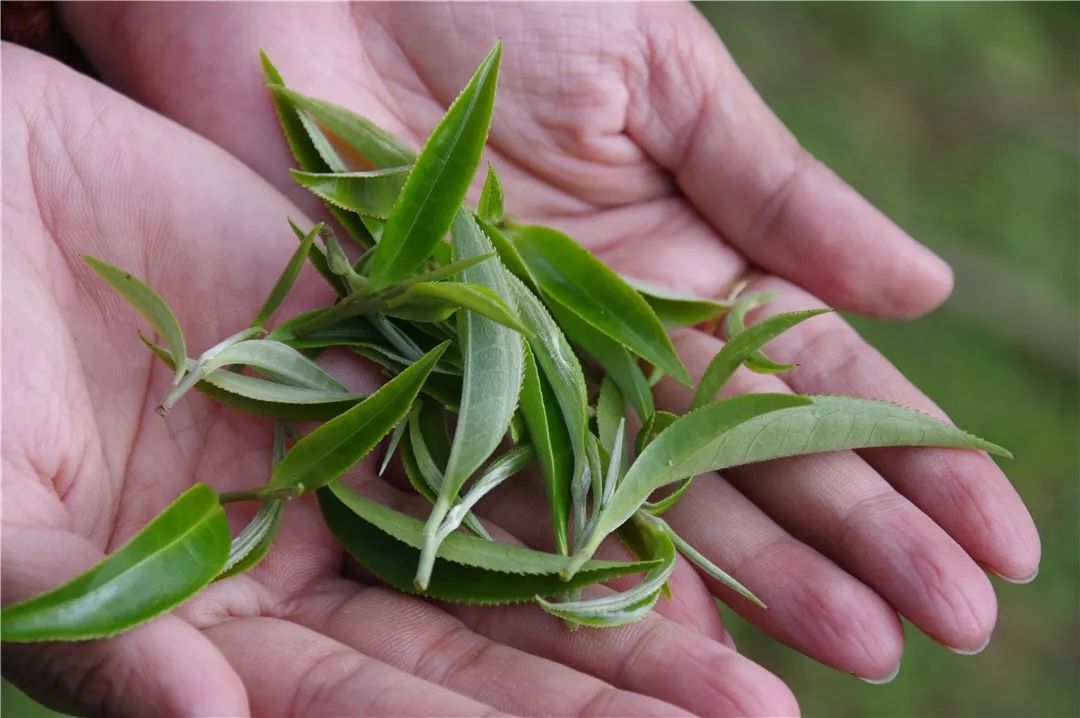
{"x": 167, "y": 562}
{"x": 371, "y": 193}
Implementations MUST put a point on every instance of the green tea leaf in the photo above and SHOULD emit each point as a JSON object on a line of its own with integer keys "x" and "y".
{"x": 265, "y": 398}
{"x": 497, "y": 472}
{"x": 171, "y": 559}
{"x": 547, "y": 431}
{"x": 366, "y": 138}
{"x": 676, "y": 309}
{"x": 685, "y": 448}
{"x": 659, "y": 506}
{"x": 490, "y": 206}
{"x": 470, "y": 569}
{"x": 508, "y": 254}
{"x": 287, "y": 278}
{"x": 333, "y": 448}
{"x": 310, "y": 148}
{"x": 147, "y": 302}
{"x": 610, "y": 411}
{"x": 587, "y": 287}
{"x": 736, "y": 324}
{"x": 494, "y": 358}
{"x": 318, "y": 261}
{"x": 701, "y": 561}
{"x": 439, "y": 179}
{"x": 740, "y": 348}
{"x": 253, "y": 543}
{"x": 372, "y": 193}
{"x": 617, "y": 362}
{"x": 278, "y": 361}
{"x": 616, "y": 609}
{"x": 474, "y": 297}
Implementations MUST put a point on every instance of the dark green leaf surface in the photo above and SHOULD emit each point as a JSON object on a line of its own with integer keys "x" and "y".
{"x": 474, "y": 297}
{"x": 585, "y": 286}
{"x": 147, "y": 302}
{"x": 439, "y": 179}
{"x": 468, "y": 568}
{"x": 740, "y": 348}
{"x": 171, "y": 559}
{"x": 676, "y": 309}
{"x": 547, "y": 432}
{"x": 332, "y": 449}
{"x": 371, "y": 193}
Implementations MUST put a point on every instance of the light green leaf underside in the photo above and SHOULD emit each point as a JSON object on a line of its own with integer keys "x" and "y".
{"x": 168, "y": 561}
{"x": 253, "y": 543}
{"x": 371, "y": 193}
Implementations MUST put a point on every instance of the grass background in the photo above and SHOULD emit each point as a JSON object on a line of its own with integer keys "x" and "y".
{"x": 962, "y": 122}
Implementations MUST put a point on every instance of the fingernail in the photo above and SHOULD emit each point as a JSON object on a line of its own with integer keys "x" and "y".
{"x": 1010, "y": 579}
{"x": 971, "y": 651}
{"x": 881, "y": 681}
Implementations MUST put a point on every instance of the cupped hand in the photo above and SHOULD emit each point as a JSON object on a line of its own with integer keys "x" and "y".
{"x": 631, "y": 127}
{"x": 87, "y": 462}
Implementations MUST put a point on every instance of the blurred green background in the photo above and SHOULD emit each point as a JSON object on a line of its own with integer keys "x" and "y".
{"x": 962, "y": 122}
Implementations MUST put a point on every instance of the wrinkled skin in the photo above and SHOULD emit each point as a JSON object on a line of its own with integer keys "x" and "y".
{"x": 627, "y": 126}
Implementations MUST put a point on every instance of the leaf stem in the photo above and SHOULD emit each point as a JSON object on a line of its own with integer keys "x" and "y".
{"x": 262, "y": 493}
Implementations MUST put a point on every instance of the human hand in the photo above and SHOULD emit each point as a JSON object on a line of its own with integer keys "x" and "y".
{"x": 631, "y": 128}
{"x": 87, "y": 463}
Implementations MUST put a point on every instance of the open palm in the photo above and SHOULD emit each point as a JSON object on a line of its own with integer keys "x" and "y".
{"x": 87, "y": 463}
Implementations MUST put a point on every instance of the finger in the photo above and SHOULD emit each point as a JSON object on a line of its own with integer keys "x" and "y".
{"x": 700, "y": 117}
{"x": 673, "y": 664}
{"x": 165, "y": 667}
{"x": 292, "y": 670}
{"x": 963, "y": 491}
{"x": 654, "y": 656}
{"x": 838, "y": 504}
{"x": 419, "y": 638}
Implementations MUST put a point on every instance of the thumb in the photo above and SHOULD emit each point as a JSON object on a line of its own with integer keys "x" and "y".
{"x": 165, "y": 667}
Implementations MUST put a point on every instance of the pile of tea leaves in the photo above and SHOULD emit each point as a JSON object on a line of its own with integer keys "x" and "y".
{"x": 511, "y": 353}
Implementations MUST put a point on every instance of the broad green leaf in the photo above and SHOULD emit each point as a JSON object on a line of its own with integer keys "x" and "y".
{"x": 333, "y": 448}
{"x": 493, "y": 357}
{"x": 740, "y": 348}
{"x": 287, "y": 279}
{"x": 253, "y": 543}
{"x": 308, "y": 146}
{"x": 490, "y": 206}
{"x": 439, "y": 179}
{"x": 587, "y": 287}
{"x": 618, "y": 363}
{"x": 622, "y": 607}
{"x": 683, "y": 449}
{"x": 265, "y": 398}
{"x": 736, "y": 324}
{"x": 167, "y": 562}
{"x": 366, "y": 138}
{"x": 548, "y": 434}
{"x": 147, "y": 302}
{"x": 474, "y": 297}
{"x": 469, "y": 569}
{"x": 676, "y": 309}
{"x": 372, "y": 193}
